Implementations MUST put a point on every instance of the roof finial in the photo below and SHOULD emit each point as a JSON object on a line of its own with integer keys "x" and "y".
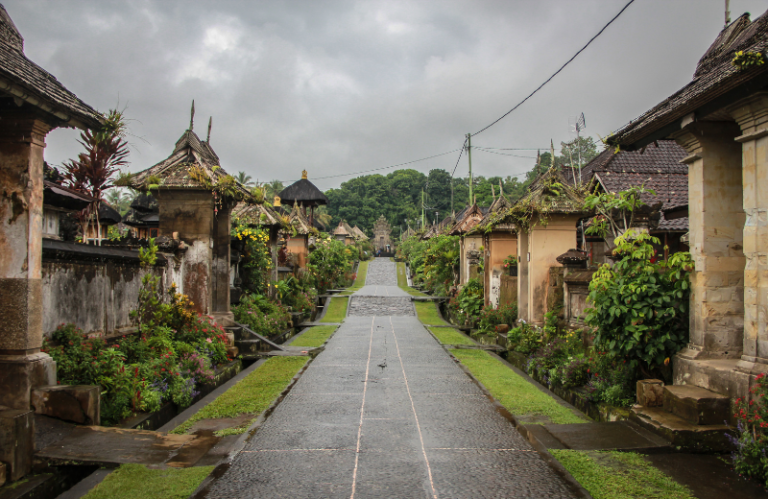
{"x": 192, "y": 116}
{"x": 501, "y": 189}
{"x": 210, "y": 124}
{"x": 304, "y": 175}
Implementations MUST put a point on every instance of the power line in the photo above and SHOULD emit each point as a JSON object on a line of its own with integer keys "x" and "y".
{"x": 558, "y": 71}
{"x": 503, "y": 153}
{"x": 379, "y": 169}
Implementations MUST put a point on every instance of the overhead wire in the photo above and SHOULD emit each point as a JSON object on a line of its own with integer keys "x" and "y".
{"x": 486, "y": 149}
{"x": 382, "y": 168}
{"x": 558, "y": 71}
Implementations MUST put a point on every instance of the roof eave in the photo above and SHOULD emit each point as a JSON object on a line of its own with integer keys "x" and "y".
{"x": 68, "y": 118}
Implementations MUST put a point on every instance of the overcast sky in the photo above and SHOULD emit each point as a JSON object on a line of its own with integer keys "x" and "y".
{"x": 338, "y": 87}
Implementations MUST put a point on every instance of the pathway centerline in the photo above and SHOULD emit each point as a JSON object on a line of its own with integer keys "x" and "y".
{"x": 355, "y": 427}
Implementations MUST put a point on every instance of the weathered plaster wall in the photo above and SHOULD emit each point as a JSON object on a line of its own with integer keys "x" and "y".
{"x": 545, "y": 244}
{"x": 96, "y": 296}
{"x": 190, "y": 213}
{"x": 500, "y": 245}
{"x": 298, "y": 246}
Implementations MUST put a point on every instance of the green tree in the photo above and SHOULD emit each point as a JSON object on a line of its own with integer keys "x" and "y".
{"x": 244, "y": 179}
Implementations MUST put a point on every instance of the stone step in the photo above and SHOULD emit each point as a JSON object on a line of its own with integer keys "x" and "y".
{"x": 697, "y": 405}
{"x": 610, "y": 435}
{"x": 681, "y": 433}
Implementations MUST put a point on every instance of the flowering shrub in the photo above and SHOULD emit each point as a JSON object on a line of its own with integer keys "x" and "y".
{"x": 257, "y": 257}
{"x": 140, "y": 372}
{"x": 262, "y": 315}
{"x": 751, "y": 455}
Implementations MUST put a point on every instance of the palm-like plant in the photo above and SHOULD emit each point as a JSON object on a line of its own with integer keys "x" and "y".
{"x": 105, "y": 153}
{"x": 244, "y": 179}
{"x": 274, "y": 188}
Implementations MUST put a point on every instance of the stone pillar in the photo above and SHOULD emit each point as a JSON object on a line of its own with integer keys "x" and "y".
{"x": 716, "y": 219}
{"x": 752, "y": 117}
{"x": 523, "y": 277}
{"x": 190, "y": 213}
{"x": 220, "y": 306}
{"x": 22, "y": 365}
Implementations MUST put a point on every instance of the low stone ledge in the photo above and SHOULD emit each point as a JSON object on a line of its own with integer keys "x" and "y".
{"x": 17, "y": 442}
{"x": 650, "y": 392}
{"x": 76, "y": 403}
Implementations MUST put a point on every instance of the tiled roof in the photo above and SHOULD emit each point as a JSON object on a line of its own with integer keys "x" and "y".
{"x": 657, "y": 167}
{"x": 22, "y": 78}
{"x": 715, "y": 78}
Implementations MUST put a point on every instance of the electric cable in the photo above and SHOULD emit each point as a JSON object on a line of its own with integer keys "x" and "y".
{"x": 379, "y": 169}
{"x": 558, "y": 71}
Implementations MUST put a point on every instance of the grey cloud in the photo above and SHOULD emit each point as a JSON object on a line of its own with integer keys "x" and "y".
{"x": 342, "y": 86}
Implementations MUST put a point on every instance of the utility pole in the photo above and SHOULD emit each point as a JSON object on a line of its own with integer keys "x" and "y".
{"x": 422, "y": 208}
{"x": 469, "y": 156}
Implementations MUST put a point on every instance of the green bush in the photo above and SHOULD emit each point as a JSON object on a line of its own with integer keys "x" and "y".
{"x": 262, "y": 315}
{"x": 639, "y": 307}
{"x": 492, "y": 317}
{"x": 468, "y": 303}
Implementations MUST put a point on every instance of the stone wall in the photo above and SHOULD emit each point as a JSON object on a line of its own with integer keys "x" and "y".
{"x": 95, "y": 288}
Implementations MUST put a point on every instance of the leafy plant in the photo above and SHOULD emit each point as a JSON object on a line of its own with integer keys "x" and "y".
{"x": 639, "y": 308}
{"x": 746, "y": 60}
{"x": 492, "y": 317}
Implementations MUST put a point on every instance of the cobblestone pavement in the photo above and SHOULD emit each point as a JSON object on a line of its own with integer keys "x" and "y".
{"x": 381, "y": 306}
{"x": 384, "y": 412}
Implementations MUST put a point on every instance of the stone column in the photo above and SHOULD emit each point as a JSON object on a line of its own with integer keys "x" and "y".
{"x": 220, "y": 309}
{"x": 716, "y": 219}
{"x": 22, "y": 365}
{"x": 752, "y": 117}
{"x": 523, "y": 277}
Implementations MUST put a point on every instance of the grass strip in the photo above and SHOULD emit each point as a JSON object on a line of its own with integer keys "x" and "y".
{"x": 512, "y": 390}
{"x": 136, "y": 481}
{"x": 337, "y": 309}
{"x": 362, "y": 272}
{"x": 251, "y": 395}
{"x": 449, "y": 336}
{"x": 619, "y": 475}
{"x": 402, "y": 281}
{"x": 427, "y": 312}
{"x": 314, "y": 337}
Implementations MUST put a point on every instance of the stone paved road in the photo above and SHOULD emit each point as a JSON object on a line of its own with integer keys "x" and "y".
{"x": 384, "y": 412}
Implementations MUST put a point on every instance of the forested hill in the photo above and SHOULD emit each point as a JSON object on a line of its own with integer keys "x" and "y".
{"x": 397, "y": 196}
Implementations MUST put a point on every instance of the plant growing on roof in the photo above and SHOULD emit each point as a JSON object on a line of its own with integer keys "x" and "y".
{"x": 615, "y": 213}
{"x": 106, "y": 151}
{"x": 746, "y": 60}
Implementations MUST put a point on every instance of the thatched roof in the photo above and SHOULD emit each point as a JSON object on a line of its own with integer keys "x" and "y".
{"x": 108, "y": 215}
{"x": 303, "y": 192}
{"x": 343, "y": 230}
{"x": 190, "y": 156}
{"x": 27, "y": 82}
{"x": 256, "y": 214}
{"x": 65, "y": 198}
{"x": 145, "y": 203}
{"x": 359, "y": 234}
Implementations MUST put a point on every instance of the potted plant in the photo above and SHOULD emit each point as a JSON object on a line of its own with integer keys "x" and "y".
{"x": 510, "y": 265}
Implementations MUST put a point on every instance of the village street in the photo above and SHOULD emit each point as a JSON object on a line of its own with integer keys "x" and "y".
{"x": 385, "y": 412}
